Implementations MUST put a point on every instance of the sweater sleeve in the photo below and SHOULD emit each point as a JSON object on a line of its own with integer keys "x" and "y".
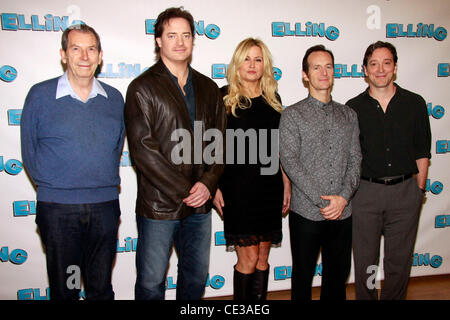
{"x": 28, "y": 133}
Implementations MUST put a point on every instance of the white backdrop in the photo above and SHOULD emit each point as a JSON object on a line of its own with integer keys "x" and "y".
{"x": 30, "y": 39}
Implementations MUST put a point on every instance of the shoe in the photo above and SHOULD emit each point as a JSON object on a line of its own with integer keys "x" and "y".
{"x": 242, "y": 285}
{"x": 260, "y": 281}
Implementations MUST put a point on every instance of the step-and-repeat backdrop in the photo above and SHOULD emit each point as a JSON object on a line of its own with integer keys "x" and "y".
{"x": 30, "y": 40}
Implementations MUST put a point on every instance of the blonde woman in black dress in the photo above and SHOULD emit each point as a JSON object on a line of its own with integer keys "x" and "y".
{"x": 252, "y": 203}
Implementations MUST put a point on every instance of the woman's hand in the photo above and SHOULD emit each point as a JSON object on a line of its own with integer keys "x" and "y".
{"x": 218, "y": 202}
{"x": 286, "y": 193}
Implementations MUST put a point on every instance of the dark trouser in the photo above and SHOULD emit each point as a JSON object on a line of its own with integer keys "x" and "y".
{"x": 192, "y": 239}
{"x": 79, "y": 239}
{"x": 335, "y": 239}
{"x": 391, "y": 211}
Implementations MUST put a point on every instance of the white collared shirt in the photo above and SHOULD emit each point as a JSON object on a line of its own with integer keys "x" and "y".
{"x": 64, "y": 88}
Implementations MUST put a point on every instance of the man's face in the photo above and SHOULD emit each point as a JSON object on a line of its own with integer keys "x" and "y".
{"x": 381, "y": 69}
{"x": 320, "y": 71}
{"x": 82, "y": 56}
{"x": 176, "y": 41}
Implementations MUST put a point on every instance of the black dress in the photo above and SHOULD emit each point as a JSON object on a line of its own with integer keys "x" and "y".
{"x": 253, "y": 201}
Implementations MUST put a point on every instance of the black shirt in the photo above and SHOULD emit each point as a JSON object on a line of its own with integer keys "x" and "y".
{"x": 392, "y": 141}
{"x": 189, "y": 98}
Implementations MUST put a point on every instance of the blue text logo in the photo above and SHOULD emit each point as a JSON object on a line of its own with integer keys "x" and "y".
{"x": 129, "y": 244}
{"x": 394, "y": 30}
{"x": 436, "y": 112}
{"x": 14, "y": 22}
{"x": 24, "y": 208}
{"x": 435, "y": 187}
{"x": 442, "y": 221}
{"x": 219, "y": 71}
{"x": 8, "y": 73}
{"x": 14, "y": 116}
{"x": 11, "y": 166}
{"x": 282, "y": 29}
{"x": 215, "y": 282}
{"x": 277, "y": 73}
{"x": 443, "y": 70}
{"x": 219, "y": 238}
{"x": 342, "y": 71}
{"x": 285, "y": 272}
{"x": 17, "y": 256}
{"x": 425, "y": 260}
{"x": 442, "y": 146}
{"x": 33, "y": 294}
{"x": 123, "y": 71}
{"x": 125, "y": 159}
{"x": 211, "y": 31}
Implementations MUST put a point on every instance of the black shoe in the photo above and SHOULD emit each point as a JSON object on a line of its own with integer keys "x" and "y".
{"x": 260, "y": 279}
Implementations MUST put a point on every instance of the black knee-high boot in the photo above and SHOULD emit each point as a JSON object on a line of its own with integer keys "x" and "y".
{"x": 260, "y": 280}
{"x": 242, "y": 285}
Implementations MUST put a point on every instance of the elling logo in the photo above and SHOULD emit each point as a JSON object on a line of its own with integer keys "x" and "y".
{"x": 422, "y": 30}
{"x": 15, "y": 22}
{"x": 8, "y": 73}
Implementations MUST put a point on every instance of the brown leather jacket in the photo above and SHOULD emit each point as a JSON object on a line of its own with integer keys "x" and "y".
{"x": 154, "y": 109}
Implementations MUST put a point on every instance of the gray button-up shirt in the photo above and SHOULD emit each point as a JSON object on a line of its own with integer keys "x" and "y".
{"x": 320, "y": 152}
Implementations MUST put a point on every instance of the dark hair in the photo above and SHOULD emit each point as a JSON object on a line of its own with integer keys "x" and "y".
{"x": 80, "y": 27}
{"x": 319, "y": 47}
{"x": 168, "y": 14}
{"x": 378, "y": 45}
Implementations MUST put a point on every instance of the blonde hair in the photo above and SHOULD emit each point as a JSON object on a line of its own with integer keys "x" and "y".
{"x": 236, "y": 97}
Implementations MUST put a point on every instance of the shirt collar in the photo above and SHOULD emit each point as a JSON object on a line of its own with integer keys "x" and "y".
{"x": 319, "y": 103}
{"x": 189, "y": 78}
{"x": 64, "y": 89}
{"x": 398, "y": 91}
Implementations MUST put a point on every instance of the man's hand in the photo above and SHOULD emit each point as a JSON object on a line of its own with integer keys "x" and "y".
{"x": 199, "y": 194}
{"x": 218, "y": 202}
{"x": 334, "y": 210}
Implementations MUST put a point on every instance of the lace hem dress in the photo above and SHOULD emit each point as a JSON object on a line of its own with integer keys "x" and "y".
{"x": 253, "y": 200}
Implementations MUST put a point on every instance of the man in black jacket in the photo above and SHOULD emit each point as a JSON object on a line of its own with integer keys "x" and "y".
{"x": 174, "y": 198}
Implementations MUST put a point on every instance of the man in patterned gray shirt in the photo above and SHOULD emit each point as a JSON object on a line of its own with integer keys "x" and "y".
{"x": 320, "y": 152}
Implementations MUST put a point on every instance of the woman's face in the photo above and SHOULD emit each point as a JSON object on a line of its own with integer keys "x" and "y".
{"x": 251, "y": 70}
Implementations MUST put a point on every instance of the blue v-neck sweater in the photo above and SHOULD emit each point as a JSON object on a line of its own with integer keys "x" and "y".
{"x": 72, "y": 149}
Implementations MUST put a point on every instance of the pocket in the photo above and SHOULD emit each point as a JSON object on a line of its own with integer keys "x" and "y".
{"x": 420, "y": 192}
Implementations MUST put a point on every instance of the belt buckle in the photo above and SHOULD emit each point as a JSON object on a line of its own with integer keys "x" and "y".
{"x": 392, "y": 181}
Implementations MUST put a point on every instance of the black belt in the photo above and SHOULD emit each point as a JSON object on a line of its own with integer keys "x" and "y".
{"x": 389, "y": 181}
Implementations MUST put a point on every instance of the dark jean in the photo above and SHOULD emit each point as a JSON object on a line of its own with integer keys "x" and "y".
{"x": 79, "y": 239}
{"x": 334, "y": 237}
{"x": 192, "y": 239}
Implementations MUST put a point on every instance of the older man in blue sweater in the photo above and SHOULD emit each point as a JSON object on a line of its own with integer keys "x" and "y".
{"x": 72, "y": 132}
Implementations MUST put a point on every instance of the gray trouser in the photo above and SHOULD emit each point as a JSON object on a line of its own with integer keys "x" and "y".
{"x": 391, "y": 211}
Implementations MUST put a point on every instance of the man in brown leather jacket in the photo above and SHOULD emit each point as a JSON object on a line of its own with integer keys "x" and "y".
{"x": 174, "y": 199}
